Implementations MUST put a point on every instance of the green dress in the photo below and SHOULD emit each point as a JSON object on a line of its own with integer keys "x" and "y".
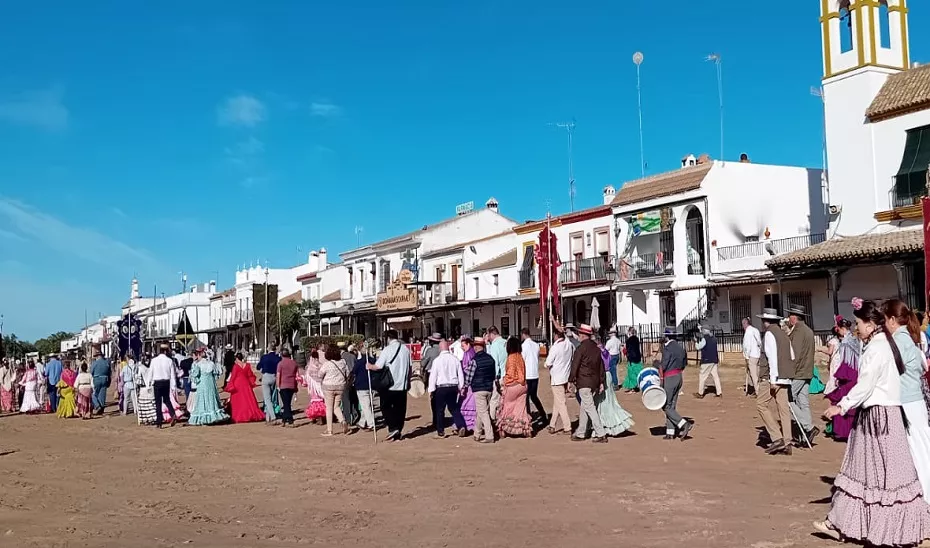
{"x": 817, "y": 386}
{"x": 631, "y": 381}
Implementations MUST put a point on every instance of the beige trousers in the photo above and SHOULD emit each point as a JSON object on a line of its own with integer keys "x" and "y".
{"x": 752, "y": 373}
{"x": 709, "y": 369}
{"x": 483, "y": 423}
{"x": 559, "y": 409}
{"x": 332, "y": 399}
{"x": 774, "y": 410}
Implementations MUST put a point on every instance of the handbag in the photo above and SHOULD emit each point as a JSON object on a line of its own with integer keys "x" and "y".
{"x": 382, "y": 379}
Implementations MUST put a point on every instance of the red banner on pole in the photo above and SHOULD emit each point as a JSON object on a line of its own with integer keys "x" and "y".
{"x": 925, "y": 207}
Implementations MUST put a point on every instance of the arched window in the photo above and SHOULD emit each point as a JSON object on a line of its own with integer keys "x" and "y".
{"x": 846, "y": 36}
{"x": 884, "y": 25}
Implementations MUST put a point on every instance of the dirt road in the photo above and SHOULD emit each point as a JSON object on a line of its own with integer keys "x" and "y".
{"x": 108, "y": 483}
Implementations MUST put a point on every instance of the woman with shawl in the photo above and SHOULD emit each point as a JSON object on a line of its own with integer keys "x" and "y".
{"x": 312, "y": 379}
{"x": 67, "y": 406}
{"x": 614, "y": 418}
{"x": 467, "y": 398}
{"x": 844, "y": 371}
{"x": 84, "y": 385}
{"x": 513, "y": 420}
{"x": 30, "y": 390}
{"x": 243, "y": 407}
{"x": 206, "y": 407}
{"x": 7, "y": 376}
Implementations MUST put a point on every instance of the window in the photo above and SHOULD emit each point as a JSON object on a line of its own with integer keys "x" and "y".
{"x": 385, "y": 275}
{"x": 527, "y": 272}
{"x": 752, "y": 239}
{"x": 846, "y": 38}
{"x": 438, "y": 274}
{"x": 576, "y": 246}
{"x": 740, "y": 307}
{"x": 497, "y": 285}
{"x": 505, "y": 327}
{"x": 602, "y": 241}
{"x": 884, "y": 25}
{"x": 772, "y": 300}
{"x": 475, "y": 328}
{"x": 477, "y": 284}
{"x": 910, "y": 183}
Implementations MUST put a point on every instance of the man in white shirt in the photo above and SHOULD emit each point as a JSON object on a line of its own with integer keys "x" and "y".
{"x": 163, "y": 383}
{"x": 445, "y": 382}
{"x": 396, "y": 357}
{"x": 778, "y": 368}
{"x": 752, "y": 351}
{"x": 531, "y": 360}
{"x": 614, "y": 348}
{"x": 559, "y": 363}
{"x": 497, "y": 349}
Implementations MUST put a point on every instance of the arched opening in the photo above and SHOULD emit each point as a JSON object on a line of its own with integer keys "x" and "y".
{"x": 581, "y": 312}
{"x": 846, "y": 32}
{"x": 694, "y": 233}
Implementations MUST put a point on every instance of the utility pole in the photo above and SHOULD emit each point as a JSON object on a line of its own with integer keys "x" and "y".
{"x": 569, "y": 128}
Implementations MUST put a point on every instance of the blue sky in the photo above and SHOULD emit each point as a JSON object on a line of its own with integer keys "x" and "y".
{"x": 195, "y": 136}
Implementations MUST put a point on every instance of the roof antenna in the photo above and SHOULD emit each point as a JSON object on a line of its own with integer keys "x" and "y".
{"x": 569, "y": 128}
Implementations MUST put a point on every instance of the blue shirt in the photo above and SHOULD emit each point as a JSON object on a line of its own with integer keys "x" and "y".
{"x": 269, "y": 363}
{"x": 914, "y": 362}
{"x": 53, "y": 372}
{"x": 498, "y": 350}
{"x": 100, "y": 368}
{"x": 361, "y": 373}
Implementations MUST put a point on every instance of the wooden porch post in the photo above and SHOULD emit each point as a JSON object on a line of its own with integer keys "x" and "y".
{"x": 899, "y": 274}
{"x": 835, "y": 288}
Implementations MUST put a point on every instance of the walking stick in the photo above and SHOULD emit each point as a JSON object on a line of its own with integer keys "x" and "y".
{"x": 371, "y": 403}
{"x": 801, "y": 428}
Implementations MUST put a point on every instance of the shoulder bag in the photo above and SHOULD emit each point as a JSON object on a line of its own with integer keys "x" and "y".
{"x": 382, "y": 379}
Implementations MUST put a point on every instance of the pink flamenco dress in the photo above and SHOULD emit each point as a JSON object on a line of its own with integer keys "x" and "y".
{"x": 844, "y": 366}
{"x": 467, "y": 405}
{"x": 316, "y": 409}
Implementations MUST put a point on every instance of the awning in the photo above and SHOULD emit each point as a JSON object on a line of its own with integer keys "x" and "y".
{"x": 400, "y": 319}
{"x": 845, "y": 252}
{"x": 916, "y": 156}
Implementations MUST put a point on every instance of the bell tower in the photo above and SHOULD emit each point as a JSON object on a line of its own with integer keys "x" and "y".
{"x": 864, "y": 42}
{"x": 863, "y": 33}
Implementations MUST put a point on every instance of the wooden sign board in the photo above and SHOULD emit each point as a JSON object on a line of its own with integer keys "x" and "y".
{"x": 397, "y": 297}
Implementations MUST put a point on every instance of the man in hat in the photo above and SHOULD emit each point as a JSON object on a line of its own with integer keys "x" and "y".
{"x": 775, "y": 372}
{"x": 752, "y": 351}
{"x": 53, "y": 375}
{"x": 571, "y": 333}
{"x": 589, "y": 377}
{"x": 429, "y": 355}
{"x": 710, "y": 360}
{"x": 483, "y": 380}
{"x": 100, "y": 371}
{"x": 671, "y": 368}
{"x": 802, "y": 341}
{"x": 614, "y": 348}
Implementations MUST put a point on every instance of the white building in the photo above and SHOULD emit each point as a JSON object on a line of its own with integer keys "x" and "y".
{"x": 99, "y": 334}
{"x": 693, "y": 242}
{"x": 160, "y": 314}
{"x": 877, "y": 121}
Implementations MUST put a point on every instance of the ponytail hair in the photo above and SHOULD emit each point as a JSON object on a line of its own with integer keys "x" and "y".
{"x": 868, "y": 311}
{"x": 897, "y": 310}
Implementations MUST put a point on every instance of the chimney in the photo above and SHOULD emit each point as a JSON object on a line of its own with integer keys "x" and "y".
{"x": 688, "y": 161}
{"x": 134, "y": 294}
{"x": 609, "y": 193}
{"x": 493, "y": 205}
{"x": 212, "y": 289}
{"x": 703, "y": 159}
{"x": 323, "y": 262}
{"x": 744, "y": 159}
{"x": 313, "y": 260}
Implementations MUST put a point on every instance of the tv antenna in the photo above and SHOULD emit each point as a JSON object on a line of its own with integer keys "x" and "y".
{"x": 569, "y": 128}
{"x": 638, "y": 60}
{"x": 718, "y": 62}
{"x": 358, "y": 235}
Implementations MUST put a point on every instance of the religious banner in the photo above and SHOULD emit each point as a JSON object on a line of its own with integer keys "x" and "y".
{"x": 129, "y": 340}
{"x": 925, "y": 207}
{"x": 547, "y": 265}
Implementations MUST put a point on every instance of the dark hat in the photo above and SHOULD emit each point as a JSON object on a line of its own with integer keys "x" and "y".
{"x": 770, "y": 314}
{"x": 796, "y": 310}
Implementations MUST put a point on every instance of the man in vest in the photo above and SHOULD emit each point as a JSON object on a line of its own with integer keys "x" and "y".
{"x": 802, "y": 341}
{"x": 710, "y": 361}
{"x": 775, "y": 371}
{"x": 673, "y": 364}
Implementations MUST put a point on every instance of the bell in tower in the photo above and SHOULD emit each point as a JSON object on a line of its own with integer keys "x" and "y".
{"x": 863, "y": 33}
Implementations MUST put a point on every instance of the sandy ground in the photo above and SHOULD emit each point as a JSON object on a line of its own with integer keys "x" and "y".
{"x": 109, "y": 483}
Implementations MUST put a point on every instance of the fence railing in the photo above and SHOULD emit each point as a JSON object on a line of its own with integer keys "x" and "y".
{"x": 527, "y": 278}
{"x": 650, "y": 265}
{"x": 726, "y": 342}
{"x": 769, "y": 247}
{"x": 595, "y": 269}
{"x": 907, "y": 189}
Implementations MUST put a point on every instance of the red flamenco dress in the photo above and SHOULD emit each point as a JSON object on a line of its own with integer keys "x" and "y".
{"x": 243, "y": 407}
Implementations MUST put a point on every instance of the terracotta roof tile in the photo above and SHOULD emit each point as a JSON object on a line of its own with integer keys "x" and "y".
{"x": 332, "y": 297}
{"x": 504, "y": 260}
{"x": 901, "y": 93}
{"x": 292, "y": 298}
{"x": 866, "y": 246}
{"x": 663, "y": 184}
{"x": 458, "y": 247}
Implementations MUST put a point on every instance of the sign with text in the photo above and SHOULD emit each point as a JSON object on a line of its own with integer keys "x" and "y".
{"x": 397, "y": 297}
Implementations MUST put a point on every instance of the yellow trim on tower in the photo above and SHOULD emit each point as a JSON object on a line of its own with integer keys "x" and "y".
{"x": 873, "y": 38}
{"x": 825, "y": 29}
{"x": 905, "y": 53}
{"x": 860, "y": 42}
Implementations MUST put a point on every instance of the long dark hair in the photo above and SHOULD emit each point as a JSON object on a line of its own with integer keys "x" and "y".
{"x": 870, "y": 312}
{"x": 514, "y": 346}
{"x": 896, "y": 309}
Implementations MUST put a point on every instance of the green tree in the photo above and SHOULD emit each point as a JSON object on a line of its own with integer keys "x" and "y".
{"x": 52, "y": 343}
{"x": 14, "y": 347}
{"x": 294, "y": 317}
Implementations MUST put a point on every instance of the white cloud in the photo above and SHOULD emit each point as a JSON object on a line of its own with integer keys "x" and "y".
{"x": 241, "y": 110}
{"x": 83, "y": 243}
{"x": 243, "y": 150}
{"x": 325, "y": 110}
{"x": 253, "y": 181}
{"x": 11, "y": 236}
{"x": 118, "y": 212}
{"x": 43, "y": 109}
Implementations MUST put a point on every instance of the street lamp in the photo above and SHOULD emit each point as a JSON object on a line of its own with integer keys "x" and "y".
{"x": 610, "y": 273}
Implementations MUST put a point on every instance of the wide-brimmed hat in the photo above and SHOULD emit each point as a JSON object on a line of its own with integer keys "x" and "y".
{"x": 796, "y": 310}
{"x": 585, "y": 329}
{"x": 228, "y": 347}
{"x": 770, "y": 314}
{"x": 435, "y": 337}
{"x": 478, "y": 341}
{"x": 569, "y": 325}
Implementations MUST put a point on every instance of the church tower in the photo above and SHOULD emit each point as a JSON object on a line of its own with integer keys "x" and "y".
{"x": 864, "y": 42}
